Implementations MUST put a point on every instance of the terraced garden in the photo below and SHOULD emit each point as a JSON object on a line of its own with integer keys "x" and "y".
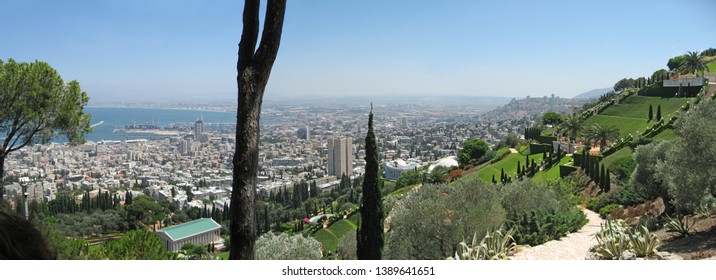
{"x": 631, "y": 116}
{"x": 330, "y": 236}
{"x": 509, "y": 163}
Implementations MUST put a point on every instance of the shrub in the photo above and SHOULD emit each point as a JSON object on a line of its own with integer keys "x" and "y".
{"x": 606, "y": 210}
{"x": 628, "y": 197}
{"x": 644, "y": 178}
{"x": 623, "y": 167}
{"x": 642, "y": 242}
{"x": 500, "y": 154}
{"x": 612, "y": 240}
{"x": 347, "y": 246}
{"x": 427, "y": 223}
{"x": 687, "y": 170}
{"x": 616, "y": 237}
{"x": 496, "y": 245}
{"x": 539, "y": 226}
{"x": 680, "y": 225}
{"x": 285, "y": 247}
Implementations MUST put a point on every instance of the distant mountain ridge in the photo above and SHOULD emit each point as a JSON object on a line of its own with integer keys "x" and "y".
{"x": 595, "y": 93}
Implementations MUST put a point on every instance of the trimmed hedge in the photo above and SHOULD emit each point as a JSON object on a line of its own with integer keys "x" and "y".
{"x": 544, "y": 139}
{"x": 565, "y": 170}
{"x": 540, "y": 148}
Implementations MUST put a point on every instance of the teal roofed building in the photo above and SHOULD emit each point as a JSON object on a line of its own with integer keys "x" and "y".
{"x": 201, "y": 231}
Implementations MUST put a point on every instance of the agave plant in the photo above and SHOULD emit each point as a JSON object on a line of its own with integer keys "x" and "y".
{"x": 612, "y": 239}
{"x": 680, "y": 225}
{"x": 496, "y": 245}
{"x": 642, "y": 242}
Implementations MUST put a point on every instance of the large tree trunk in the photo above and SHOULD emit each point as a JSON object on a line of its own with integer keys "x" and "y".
{"x": 2, "y": 178}
{"x": 254, "y": 68}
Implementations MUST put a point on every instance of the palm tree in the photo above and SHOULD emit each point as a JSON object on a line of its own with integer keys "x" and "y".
{"x": 692, "y": 63}
{"x": 572, "y": 124}
{"x": 602, "y": 134}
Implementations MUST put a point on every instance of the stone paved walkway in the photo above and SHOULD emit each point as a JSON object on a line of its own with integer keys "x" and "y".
{"x": 574, "y": 246}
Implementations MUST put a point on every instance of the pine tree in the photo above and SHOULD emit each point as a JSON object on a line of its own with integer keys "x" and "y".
{"x": 370, "y": 233}
{"x": 658, "y": 113}
{"x": 651, "y": 112}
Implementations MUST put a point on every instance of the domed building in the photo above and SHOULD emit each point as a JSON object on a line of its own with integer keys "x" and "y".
{"x": 394, "y": 168}
{"x": 448, "y": 162}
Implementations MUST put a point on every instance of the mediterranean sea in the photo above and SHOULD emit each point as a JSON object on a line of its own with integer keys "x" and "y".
{"x": 105, "y": 120}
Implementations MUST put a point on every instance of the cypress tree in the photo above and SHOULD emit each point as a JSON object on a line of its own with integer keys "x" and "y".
{"x": 651, "y": 112}
{"x": 493, "y": 179}
{"x": 607, "y": 183}
{"x": 533, "y": 168}
{"x": 658, "y": 113}
{"x": 519, "y": 168}
{"x": 601, "y": 178}
{"x": 370, "y": 233}
{"x": 502, "y": 175}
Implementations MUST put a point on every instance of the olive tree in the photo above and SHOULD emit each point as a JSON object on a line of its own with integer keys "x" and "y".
{"x": 689, "y": 164}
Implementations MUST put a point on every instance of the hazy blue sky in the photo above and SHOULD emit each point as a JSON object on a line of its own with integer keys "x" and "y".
{"x": 155, "y": 50}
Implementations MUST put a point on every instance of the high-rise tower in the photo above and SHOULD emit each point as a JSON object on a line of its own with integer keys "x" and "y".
{"x": 340, "y": 156}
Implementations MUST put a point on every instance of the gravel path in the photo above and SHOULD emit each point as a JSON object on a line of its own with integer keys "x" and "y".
{"x": 574, "y": 246}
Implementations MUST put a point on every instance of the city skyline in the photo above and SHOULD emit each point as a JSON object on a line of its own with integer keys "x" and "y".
{"x": 135, "y": 50}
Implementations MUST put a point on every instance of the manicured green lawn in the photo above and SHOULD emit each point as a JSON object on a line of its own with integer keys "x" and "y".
{"x": 631, "y": 115}
{"x": 667, "y": 134}
{"x": 626, "y": 125}
{"x": 552, "y": 173}
{"x": 712, "y": 66}
{"x": 622, "y": 153}
{"x": 509, "y": 163}
{"x": 330, "y": 236}
{"x": 638, "y": 106}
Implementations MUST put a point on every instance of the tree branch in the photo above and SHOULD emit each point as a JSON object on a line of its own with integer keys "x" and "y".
{"x": 271, "y": 36}
{"x": 249, "y": 35}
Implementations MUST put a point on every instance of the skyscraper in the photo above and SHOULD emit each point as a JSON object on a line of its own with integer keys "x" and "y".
{"x": 340, "y": 156}
{"x": 198, "y": 129}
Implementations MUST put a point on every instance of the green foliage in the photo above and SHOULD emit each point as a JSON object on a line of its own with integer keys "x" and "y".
{"x": 370, "y": 235}
{"x": 539, "y": 226}
{"x": 472, "y": 151}
{"x": 624, "y": 84}
{"x": 427, "y": 222}
{"x": 687, "y": 169}
{"x": 602, "y": 134}
{"x": 409, "y": 178}
{"x": 196, "y": 251}
{"x": 38, "y": 105}
{"x": 608, "y": 209}
{"x": 551, "y": 118}
{"x": 616, "y": 237}
{"x": 612, "y": 239}
{"x": 137, "y": 245}
{"x": 623, "y": 167}
{"x": 63, "y": 247}
{"x": 500, "y": 154}
{"x": 495, "y": 245}
{"x": 642, "y": 242}
{"x": 347, "y": 246}
{"x": 645, "y": 178}
{"x": 679, "y": 225}
{"x": 287, "y": 247}
{"x": 675, "y": 62}
{"x": 692, "y": 62}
